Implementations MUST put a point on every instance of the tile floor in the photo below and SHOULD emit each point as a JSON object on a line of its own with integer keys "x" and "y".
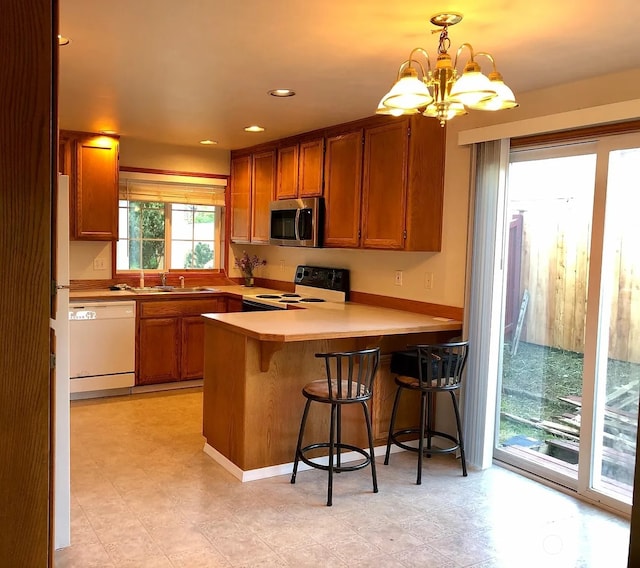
{"x": 145, "y": 495}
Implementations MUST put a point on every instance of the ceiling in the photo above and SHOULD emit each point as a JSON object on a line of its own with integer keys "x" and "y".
{"x": 179, "y": 71}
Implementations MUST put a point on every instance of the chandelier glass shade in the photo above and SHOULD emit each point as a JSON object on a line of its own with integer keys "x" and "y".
{"x": 442, "y": 93}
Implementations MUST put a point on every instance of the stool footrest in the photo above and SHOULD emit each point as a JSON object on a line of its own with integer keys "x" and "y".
{"x": 433, "y": 434}
{"x": 337, "y": 448}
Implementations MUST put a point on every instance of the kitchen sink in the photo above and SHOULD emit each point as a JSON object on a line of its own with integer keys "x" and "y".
{"x": 195, "y": 289}
{"x": 173, "y": 290}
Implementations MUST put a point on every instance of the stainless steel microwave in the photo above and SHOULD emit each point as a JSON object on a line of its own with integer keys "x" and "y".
{"x": 296, "y": 222}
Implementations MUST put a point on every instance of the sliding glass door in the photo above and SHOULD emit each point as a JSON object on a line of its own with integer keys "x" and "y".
{"x": 570, "y": 356}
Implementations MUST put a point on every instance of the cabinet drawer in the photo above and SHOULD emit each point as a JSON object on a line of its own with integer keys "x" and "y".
{"x": 167, "y": 308}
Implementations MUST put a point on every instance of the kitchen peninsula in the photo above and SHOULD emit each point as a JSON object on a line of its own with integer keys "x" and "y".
{"x": 256, "y": 364}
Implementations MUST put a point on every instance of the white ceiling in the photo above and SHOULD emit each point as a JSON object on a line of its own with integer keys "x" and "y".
{"x": 178, "y": 71}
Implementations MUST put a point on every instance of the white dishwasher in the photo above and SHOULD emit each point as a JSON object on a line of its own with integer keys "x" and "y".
{"x": 102, "y": 345}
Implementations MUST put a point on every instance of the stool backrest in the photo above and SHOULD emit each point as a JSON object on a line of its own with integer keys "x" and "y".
{"x": 441, "y": 364}
{"x": 350, "y": 374}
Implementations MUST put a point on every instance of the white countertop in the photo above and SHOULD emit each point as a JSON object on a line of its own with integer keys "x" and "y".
{"x": 329, "y": 321}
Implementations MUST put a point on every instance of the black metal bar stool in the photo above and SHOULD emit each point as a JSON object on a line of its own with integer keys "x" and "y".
{"x": 428, "y": 369}
{"x": 349, "y": 380}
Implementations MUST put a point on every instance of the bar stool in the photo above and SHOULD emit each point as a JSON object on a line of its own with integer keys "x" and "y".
{"x": 428, "y": 369}
{"x": 349, "y": 380}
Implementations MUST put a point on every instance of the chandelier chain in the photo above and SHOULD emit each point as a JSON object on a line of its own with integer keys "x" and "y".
{"x": 445, "y": 43}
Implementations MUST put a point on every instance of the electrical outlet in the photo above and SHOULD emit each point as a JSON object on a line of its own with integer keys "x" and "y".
{"x": 398, "y": 281}
{"x": 282, "y": 266}
{"x": 99, "y": 264}
{"x": 428, "y": 280}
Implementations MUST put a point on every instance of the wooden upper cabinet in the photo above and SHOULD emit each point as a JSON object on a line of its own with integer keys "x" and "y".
{"x": 311, "y": 168}
{"x": 382, "y": 179}
{"x": 241, "y": 199}
{"x": 264, "y": 180}
{"x": 300, "y": 170}
{"x": 91, "y": 161}
{"x": 343, "y": 181}
{"x": 425, "y": 185}
{"x": 287, "y": 172}
{"x": 384, "y": 185}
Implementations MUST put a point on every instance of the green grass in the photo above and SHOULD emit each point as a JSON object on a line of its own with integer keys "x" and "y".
{"x": 535, "y": 378}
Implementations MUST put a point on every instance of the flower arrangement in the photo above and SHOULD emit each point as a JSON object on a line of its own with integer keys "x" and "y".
{"x": 248, "y": 263}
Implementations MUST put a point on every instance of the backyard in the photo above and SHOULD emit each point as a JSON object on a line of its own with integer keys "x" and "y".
{"x": 541, "y": 404}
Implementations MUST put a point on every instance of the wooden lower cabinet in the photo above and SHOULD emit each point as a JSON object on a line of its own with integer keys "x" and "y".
{"x": 170, "y": 345}
{"x": 192, "y": 352}
{"x": 159, "y": 349}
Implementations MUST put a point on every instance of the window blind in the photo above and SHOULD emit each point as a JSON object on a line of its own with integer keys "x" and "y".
{"x": 137, "y": 189}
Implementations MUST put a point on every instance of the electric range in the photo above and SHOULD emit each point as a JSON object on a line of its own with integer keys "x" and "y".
{"x": 313, "y": 285}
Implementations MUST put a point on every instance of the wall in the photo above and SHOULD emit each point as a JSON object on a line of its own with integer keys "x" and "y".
{"x": 151, "y": 155}
{"x": 374, "y": 271}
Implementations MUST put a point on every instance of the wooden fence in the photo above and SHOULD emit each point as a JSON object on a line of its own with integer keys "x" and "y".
{"x": 554, "y": 265}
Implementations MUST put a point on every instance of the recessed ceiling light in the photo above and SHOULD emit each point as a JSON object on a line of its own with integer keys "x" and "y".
{"x": 254, "y": 128}
{"x": 208, "y": 142}
{"x": 281, "y": 93}
{"x": 62, "y": 40}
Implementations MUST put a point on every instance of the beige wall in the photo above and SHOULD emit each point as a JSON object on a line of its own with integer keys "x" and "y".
{"x": 374, "y": 271}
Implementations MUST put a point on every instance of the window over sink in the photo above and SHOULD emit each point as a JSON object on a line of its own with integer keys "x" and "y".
{"x": 169, "y": 224}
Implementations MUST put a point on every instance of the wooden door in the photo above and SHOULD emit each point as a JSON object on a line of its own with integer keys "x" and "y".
{"x": 159, "y": 350}
{"x": 287, "y": 187}
{"x": 241, "y": 199}
{"x": 192, "y": 353}
{"x": 264, "y": 179}
{"x": 311, "y": 168}
{"x": 95, "y": 189}
{"x": 343, "y": 179}
{"x": 386, "y": 150}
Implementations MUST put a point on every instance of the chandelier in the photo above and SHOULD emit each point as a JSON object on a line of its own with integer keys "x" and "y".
{"x": 443, "y": 93}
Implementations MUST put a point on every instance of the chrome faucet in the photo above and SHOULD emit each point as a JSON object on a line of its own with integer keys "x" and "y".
{"x": 163, "y": 278}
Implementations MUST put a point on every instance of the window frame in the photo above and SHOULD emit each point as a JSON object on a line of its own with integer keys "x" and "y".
{"x": 177, "y": 181}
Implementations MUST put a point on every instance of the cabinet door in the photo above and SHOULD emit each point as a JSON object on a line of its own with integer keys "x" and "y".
{"x": 343, "y": 179}
{"x": 234, "y": 305}
{"x": 192, "y": 355}
{"x": 95, "y": 191}
{"x": 384, "y": 185}
{"x": 159, "y": 350}
{"x": 310, "y": 168}
{"x": 287, "y": 187}
{"x": 241, "y": 199}
{"x": 425, "y": 194}
{"x": 264, "y": 179}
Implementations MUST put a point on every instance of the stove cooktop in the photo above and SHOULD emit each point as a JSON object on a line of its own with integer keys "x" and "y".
{"x": 288, "y": 298}
{"x": 313, "y": 284}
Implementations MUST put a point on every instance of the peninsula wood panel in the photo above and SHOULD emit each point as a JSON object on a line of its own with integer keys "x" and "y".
{"x": 252, "y": 412}
{"x": 28, "y": 166}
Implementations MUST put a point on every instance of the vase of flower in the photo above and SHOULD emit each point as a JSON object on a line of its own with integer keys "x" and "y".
{"x": 247, "y": 264}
